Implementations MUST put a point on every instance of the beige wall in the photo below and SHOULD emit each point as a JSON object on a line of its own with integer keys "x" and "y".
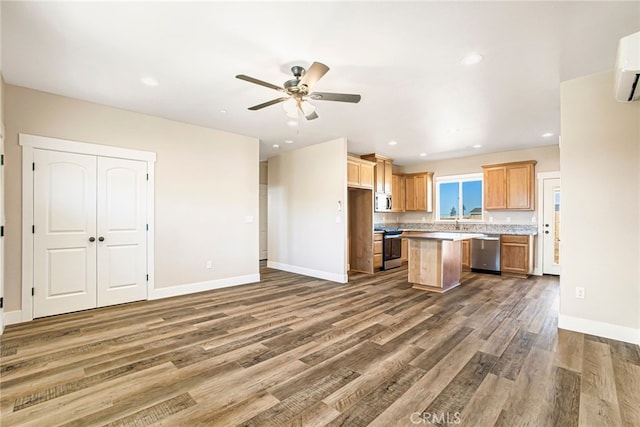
{"x": 264, "y": 177}
{"x": 206, "y": 184}
{"x": 548, "y": 158}
{"x": 305, "y": 187}
{"x": 600, "y": 161}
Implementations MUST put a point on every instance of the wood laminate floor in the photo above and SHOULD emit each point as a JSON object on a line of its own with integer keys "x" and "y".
{"x": 293, "y": 350}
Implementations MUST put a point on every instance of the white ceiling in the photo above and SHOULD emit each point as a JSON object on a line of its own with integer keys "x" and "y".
{"x": 403, "y": 58}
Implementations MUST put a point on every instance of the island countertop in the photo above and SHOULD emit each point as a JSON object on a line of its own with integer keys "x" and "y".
{"x": 442, "y": 235}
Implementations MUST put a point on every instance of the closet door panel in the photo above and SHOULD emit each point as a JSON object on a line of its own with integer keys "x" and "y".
{"x": 122, "y": 249}
{"x": 64, "y": 195}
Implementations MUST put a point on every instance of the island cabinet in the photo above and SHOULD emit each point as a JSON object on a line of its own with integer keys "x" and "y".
{"x": 398, "y": 191}
{"x": 435, "y": 262}
{"x": 382, "y": 172}
{"x": 509, "y": 186}
{"x": 359, "y": 173}
{"x": 516, "y": 255}
{"x": 466, "y": 255}
{"x": 419, "y": 192}
{"x": 404, "y": 250}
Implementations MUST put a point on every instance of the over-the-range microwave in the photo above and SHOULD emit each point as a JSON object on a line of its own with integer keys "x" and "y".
{"x": 382, "y": 203}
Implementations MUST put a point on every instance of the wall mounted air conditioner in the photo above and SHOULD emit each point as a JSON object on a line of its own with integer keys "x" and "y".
{"x": 627, "y": 72}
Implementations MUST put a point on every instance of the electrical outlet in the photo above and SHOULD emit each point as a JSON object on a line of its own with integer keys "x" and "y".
{"x": 209, "y": 264}
{"x": 508, "y": 219}
{"x": 579, "y": 292}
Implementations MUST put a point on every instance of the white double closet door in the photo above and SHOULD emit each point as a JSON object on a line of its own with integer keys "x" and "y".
{"x": 90, "y": 231}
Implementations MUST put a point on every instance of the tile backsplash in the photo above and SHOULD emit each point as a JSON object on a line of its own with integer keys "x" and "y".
{"x": 491, "y": 217}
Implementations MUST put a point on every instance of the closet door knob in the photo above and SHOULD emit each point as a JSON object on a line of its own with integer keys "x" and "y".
{"x": 92, "y": 239}
{"x": 101, "y": 239}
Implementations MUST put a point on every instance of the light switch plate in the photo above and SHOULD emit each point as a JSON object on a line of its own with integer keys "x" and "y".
{"x": 248, "y": 219}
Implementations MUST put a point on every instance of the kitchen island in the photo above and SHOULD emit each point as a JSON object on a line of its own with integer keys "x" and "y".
{"x": 435, "y": 260}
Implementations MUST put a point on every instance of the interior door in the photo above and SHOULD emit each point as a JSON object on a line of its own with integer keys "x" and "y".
{"x": 122, "y": 235}
{"x": 551, "y": 227}
{"x": 64, "y": 193}
{"x": 263, "y": 222}
{"x": 2, "y": 225}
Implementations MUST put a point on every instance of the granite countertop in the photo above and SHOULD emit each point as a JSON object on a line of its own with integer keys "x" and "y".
{"x": 518, "y": 229}
{"x": 446, "y": 236}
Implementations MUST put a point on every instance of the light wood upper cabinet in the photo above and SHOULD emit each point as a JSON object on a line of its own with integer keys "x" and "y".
{"x": 359, "y": 173}
{"x": 495, "y": 187}
{"x": 419, "y": 192}
{"x": 509, "y": 186}
{"x": 398, "y": 191}
{"x": 382, "y": 173}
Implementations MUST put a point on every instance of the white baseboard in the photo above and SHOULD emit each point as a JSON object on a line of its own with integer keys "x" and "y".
{"x": 190, "y": 288}
{"x": 601, "y": 329}
{"x": 12, "y": 317}
{"x": 340, "y": 278}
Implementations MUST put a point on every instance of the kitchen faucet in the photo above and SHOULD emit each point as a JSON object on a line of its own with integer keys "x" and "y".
{"x": 457, "y": 225}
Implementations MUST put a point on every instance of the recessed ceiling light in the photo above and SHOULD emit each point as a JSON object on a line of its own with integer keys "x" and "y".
{"x": 547, "y": 135}
{"x": 223, "y": 111}
{"x": 454, "y": 130}
{"x": 393, "y": 142}
{"x": 472, "y": 59}
{"x": 423, "y": 154}
{"x": 149, "y": 81}
{"x": 276, "y": 146}
{"x": 477, "y": 146}
{"x": 288, "y": 141}
{"x": 292, "y": 123}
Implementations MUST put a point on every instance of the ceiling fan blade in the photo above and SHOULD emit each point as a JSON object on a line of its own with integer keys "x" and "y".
{"x": 312, "y": 116}
{"x": 340, "y": 97}
{"x": 259, "y": 82}
{"x": 268, "y": 103}
{"x": 313, "y": 74}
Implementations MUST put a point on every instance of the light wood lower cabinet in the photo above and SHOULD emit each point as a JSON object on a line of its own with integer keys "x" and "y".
{"x": 516, "y": 255}
{"x": 377, "y": 250}
{"x": 466, "y": 255}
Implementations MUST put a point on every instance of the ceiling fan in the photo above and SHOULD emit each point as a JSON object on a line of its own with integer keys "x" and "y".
{"x": 298, "y": 91}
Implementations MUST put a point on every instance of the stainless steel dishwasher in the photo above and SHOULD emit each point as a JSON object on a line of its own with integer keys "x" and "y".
{"x": 485, "y": 254}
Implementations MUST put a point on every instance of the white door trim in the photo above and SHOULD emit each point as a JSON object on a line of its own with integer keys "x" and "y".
{"x": 541, "y": 176}
{"x": 31, "y": 142}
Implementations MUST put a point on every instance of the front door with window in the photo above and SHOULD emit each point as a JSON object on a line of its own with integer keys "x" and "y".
{"x": 551, "y": 226}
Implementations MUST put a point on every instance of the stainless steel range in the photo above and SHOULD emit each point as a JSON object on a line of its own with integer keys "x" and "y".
{"x": 391, "y": 248}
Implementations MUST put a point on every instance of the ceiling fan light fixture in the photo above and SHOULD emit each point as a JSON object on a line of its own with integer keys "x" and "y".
{"x": 290, "y": 106}
{"x": 307, "y": 108}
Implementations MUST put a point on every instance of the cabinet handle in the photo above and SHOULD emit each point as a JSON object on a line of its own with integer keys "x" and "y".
{"x": 92, "y": 239}
{"x": 101, "y": 239}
